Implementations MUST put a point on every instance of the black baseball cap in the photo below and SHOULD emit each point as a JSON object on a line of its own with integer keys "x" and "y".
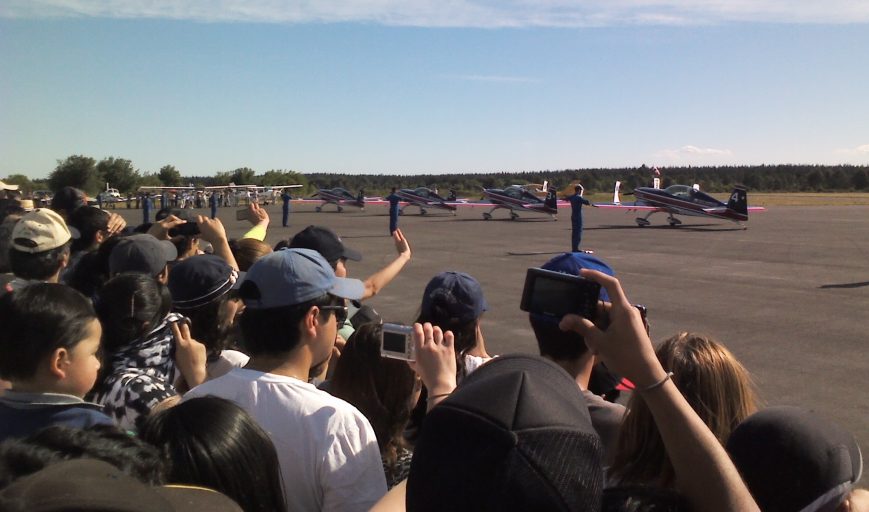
{"x": 326, "y": 242}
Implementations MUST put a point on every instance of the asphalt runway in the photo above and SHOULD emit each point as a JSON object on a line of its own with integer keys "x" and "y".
{"x": 789, "y": 296}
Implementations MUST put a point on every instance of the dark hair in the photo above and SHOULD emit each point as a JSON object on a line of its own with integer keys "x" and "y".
{"x": 37, "y": 320}
{"x": 554, "y": 343}
{"x": 207, "y": 326}
{"x": 38, "y": 265}
{"x": 10, "y": 207}
{"x": 92, "y": 270}
{"x": 214, "y": 443}
{"x": 282, "y": 244}
{"x": 89, "y": 221}
{"x": 379, "y": 387}
{"x": 67, "y": 199}
{"x": 464, "y": 333}
{"x": 134, "y": 457}
{"x": 276, "y": 330}
{"x": 129, "y": 306}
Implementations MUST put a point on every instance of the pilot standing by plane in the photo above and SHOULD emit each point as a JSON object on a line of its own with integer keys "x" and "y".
{"x": 285, "y": 210}
{"x": 576, "y": 202}
{"x": 393, "y": 210}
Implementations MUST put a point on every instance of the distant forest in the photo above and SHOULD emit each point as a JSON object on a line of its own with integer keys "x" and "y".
{"x": 760, "y": 178}
{"x": 88, "y": 174}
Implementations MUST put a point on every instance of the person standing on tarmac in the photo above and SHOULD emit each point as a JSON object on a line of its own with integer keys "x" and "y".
{"x": 146, "y": 208}
{"x": 576, "y": 202}
{"x": 285, "y": 197}
{"x": 212, "y": 202}
{"x": 393, "y": 210}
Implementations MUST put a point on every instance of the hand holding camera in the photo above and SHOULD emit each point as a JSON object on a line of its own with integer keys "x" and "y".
{"x": 429, "y": 351}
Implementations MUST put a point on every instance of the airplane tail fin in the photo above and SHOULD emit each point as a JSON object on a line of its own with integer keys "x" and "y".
{"x": 545, "y": 186}
{"x": 551, "y": 200}
{"x": 738, "y": 201}
{"x": 616, "y": 199}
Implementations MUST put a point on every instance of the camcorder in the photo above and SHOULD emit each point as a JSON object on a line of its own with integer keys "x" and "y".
{"x": 396, "y": 342}
{"x": 555, "y": 294}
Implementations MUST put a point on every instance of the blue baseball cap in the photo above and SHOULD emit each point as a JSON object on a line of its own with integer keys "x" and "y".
{"x": 293, "y": 276}
{"x": 455, "y": 294}
{"x": 572, "y": 262}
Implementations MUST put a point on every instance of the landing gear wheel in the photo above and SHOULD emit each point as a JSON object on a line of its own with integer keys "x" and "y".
{"x": 318, "y": 209}
{"x": 340, "y": 209}
{"x": 422, "y": 211}
{"x": 674, "y": 222}
{"x": 642, "y": 222}
{"x": 513, "y": 216}
{"x": 487, "y": 216}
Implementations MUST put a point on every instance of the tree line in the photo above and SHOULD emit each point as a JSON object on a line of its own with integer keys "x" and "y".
{"x": 92, "y": 176}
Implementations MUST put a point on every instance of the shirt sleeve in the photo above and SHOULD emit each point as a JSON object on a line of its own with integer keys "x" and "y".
{"x": 257, "y": 233}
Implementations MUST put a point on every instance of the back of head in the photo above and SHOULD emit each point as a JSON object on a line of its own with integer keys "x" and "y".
{"x": 794, "y": 460}
{"x": 554, "y": 343}
{"x": 454, "y": 301}
{"x": 40, "y": 243}
{"x": 247, "y": 251}
{"x": 136, "y": 458}
{"x": 515, "y": 435}
{"x": 214, "y": 443}
{"x": 89, "y": 221}
{"x": 141, "y": 253}
{"x": 67, "y": 199}
{"x": 129, "y": 306}
{"x": 714, "y": 383}
{"x": 37, "y": 320}
{"x": 381, "y": 388}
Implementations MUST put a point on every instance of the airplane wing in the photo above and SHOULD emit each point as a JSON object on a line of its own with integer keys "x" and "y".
{"x": 166, "y": 188}
{"x": 630, "y": 207}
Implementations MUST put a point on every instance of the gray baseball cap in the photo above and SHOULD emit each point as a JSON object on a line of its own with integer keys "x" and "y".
{"x": 141, "y": 253}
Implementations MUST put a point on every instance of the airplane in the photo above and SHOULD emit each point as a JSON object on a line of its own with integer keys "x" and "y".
{"x": 339, "y": 196}
{"x": 424, "y": 197}
{"x": 683, "y": 200}
{"x": 519, "y": 198}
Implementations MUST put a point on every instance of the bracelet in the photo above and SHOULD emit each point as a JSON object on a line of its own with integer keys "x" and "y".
{"x": 442, "y": 395}
{"x": 658, "y": 384}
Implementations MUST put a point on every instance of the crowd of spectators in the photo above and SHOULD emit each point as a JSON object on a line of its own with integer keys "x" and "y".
{"x": 167, "y": 367}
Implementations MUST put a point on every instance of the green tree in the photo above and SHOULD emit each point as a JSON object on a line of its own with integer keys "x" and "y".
{"x": 118, "y": 173}
{"x": 76, "y": 171}
{"x": 243, "y": 176}
{"x": 169, "y": 176}
{"x": 149, "y": 180}
{"x": 23, "y": 182}
{"x": 860, "y": 180}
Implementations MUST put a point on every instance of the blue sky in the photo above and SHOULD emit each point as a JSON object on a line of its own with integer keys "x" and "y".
{"x": 383, "y": 86}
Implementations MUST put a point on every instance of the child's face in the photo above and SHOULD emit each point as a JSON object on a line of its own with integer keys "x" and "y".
{"x": 82, "y": 362}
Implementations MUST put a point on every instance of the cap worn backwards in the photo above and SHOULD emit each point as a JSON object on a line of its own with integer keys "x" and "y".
{"x": 455, "y": 293}
{"x": 572, "y": 262}
{"x": 515, "y": 435}
{"x": 41, "y": 230}
{"x": 200, "y": 280}
{"x": 141, "y": 253}
{"x": 293, "y": 276}
{"x": 326, "y": 242}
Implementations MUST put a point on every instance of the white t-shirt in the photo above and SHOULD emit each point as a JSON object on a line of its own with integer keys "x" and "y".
{"x": 326, "y": 448}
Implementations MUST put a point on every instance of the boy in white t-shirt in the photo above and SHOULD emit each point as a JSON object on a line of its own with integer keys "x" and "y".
{"x": 327, "y": 449}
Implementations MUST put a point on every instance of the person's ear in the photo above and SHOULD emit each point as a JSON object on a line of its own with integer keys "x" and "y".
{"x": 58, "y": 362}
{"x": 100, "y": 237}
{"x": 312, "y": 321}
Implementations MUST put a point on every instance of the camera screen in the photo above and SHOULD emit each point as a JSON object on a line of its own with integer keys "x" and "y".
{"x": 394, "y": 342}
{"x": 558, "y": 298}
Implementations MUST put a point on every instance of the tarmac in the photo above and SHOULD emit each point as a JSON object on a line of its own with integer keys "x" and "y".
{"x": 789, "y": 295}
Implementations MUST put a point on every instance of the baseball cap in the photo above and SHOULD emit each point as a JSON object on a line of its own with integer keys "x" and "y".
{"x": 455, "y": 294}
{"x": 293, "y": 276}
{"x": 572, "y": 262}
{"x": 41, "y": 230}
{"x": 141, "y": 253}
{"x": 515, "y": 435}
{"x": 326, "y": 242}
{"x": 7, "y": 186}
{"x": 87, "y": 484}
{"x": 794, "y": 460}
{"x": 200, "y": 280}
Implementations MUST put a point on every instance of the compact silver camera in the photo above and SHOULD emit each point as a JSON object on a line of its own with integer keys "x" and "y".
{"x": 397, "y": 343}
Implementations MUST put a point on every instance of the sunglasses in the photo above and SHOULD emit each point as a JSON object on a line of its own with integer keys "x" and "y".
{"x": 340, "y": 312}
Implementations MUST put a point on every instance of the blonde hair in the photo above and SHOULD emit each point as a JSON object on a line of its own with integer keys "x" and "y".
{"x": 247, "y": 251}
{"x": 714, "y": 383}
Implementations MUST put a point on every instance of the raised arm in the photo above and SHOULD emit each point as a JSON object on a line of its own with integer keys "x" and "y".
{"x": 382, "y": 277}
{"x": 704, "y": 473}
{"x": 212, "y": 230}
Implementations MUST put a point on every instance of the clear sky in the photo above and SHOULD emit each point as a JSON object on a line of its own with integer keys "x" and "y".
{"x": 391, "y": 86}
